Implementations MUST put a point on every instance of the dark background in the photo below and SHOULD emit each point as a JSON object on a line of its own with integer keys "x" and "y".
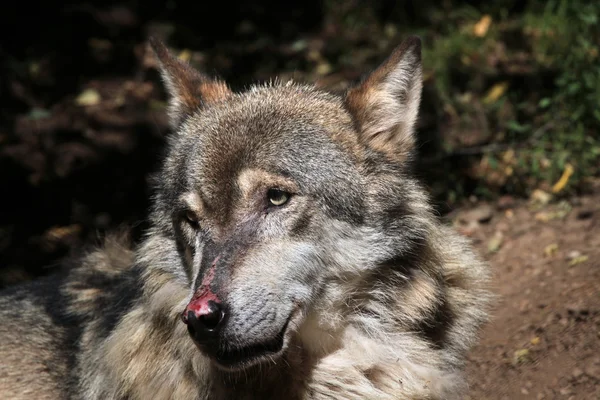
{"x": 82, "y": 119}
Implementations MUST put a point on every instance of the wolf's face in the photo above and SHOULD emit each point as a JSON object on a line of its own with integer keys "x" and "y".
{"x": 274, "y": 193}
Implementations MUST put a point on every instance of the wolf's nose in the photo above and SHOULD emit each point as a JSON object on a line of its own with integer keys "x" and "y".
{"x": 203, "y": 320}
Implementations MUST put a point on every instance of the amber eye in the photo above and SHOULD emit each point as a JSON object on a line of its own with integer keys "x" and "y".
{"x": 192, "y": 219}
{"x": 278, "y": 197}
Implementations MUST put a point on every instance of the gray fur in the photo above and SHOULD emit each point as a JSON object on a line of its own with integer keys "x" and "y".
{"x": 374, "y": 297}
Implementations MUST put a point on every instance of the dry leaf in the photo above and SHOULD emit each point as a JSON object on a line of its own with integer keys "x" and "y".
{"x": 550, "y": 250}
{"x": 578, "y": 260}
{"x": 314, "y": 55}
{"x": 323, "y": 68}
{"x": 390, "y": 30}
{"x": 540, "y": 197}
{"x": 495, "y": 92}
{"x": 564, "y": 179}
{"x": 482, "y": 26}
{"x": 60, "y": 232}
{"x": 89, "y": 97}
{"x": 495, "y": 242}
{"x": 545, "y": 216}
{"x": 185, "y": 55}
{"x": 508, "y": 156}
{"x": 521, "y": 356}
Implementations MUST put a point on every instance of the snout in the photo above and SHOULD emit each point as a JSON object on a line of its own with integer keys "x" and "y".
{"x": 204, "y": 317}
{"x": 235, "y": 337}
{"x": 205, "y": 321}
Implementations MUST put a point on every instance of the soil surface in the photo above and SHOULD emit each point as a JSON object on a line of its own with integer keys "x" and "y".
{"x": 544, "y": 339}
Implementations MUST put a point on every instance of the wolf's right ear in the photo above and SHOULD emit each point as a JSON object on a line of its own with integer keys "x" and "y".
{"x": 188, "y": 89}
{"x": 386, "y": 104}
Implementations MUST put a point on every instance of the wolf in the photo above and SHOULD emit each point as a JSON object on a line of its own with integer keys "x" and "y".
{"x": 291, "y": 254}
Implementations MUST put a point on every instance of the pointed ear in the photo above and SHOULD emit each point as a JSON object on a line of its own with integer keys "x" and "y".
{"x": 188, "y": 89}
{"x": 386, "y": 103}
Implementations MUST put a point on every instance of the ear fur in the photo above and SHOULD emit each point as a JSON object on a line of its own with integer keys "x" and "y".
{"x": 386, "y": 103}
{"x": 188, "y": 88}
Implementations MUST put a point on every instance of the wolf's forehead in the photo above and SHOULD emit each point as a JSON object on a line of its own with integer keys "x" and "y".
{"x": 268, "y": 110}
{"x": 272, "y": 129}
{"x": 265, "y": 118}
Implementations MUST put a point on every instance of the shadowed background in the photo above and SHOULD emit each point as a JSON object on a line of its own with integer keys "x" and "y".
{"x": 510, "y": 103}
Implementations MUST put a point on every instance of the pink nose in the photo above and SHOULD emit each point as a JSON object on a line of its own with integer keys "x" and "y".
{"x": 204, "y": 314}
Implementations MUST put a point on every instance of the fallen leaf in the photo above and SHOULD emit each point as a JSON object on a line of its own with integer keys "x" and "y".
{"x": 564, "y": 179}
{"x": 119, "y": 100}
{"x": 550, "y": 250}
{"x": 495, "y": 242}
{"x": 540, "y": 197}
{"x": 390, "y": 30}
{"x": 495, "y": 92}
{"x": 185, "y": 55}
{"x": 545, "y": 163}
{"x": 545, "y": 216}
{"x": 535, "y": 341}
{"x": 521, "y": 356}
{"x": 89, "y": 97}
{"x": 314, "y": 55}
{"x": 58, "y": 233}
{"x": 323, "y": 68}
{"x": 578, "y": 260}
{"x": 508, "y": 156}
{"x": 482, "y": 26}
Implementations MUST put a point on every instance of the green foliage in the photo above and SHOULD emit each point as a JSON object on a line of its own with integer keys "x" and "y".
{"x": 566, "y": 36}
{"x": 532, "y": 77}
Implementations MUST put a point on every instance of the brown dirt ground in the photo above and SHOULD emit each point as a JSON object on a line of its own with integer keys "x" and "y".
{"x": 543, "y": 341}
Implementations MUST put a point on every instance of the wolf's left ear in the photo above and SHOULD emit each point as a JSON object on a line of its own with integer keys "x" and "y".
{"x": 188, "y": 89}
{"x": 386, "y": 103}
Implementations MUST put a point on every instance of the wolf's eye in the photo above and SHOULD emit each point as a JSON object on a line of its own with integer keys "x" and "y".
{"x": 192, "y": 219}
{"x": 278, "y": 197}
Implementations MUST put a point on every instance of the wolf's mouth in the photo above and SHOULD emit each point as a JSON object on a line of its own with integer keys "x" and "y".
{"x": 233, "y": 358}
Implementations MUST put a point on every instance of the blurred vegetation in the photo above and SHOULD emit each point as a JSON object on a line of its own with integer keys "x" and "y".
{"x": 535, "y": 78}
{"x": 510, "y": 103}
{"x": 513, "y": 88}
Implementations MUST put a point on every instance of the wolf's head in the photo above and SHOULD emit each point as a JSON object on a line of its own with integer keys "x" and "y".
{"x": 275, "y": 196}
